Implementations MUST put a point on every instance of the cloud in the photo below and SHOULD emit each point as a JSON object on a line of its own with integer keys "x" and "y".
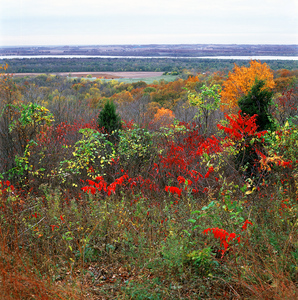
{"x": 163, "y": 7}
{"x": 189, "y": 20}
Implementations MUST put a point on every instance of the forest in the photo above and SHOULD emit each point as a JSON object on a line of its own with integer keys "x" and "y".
{"x": 183, "y": 189}
{"x": 52, "y": 65}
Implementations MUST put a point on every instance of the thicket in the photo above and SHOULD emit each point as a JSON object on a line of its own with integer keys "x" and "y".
{"x": 164, "y": 213}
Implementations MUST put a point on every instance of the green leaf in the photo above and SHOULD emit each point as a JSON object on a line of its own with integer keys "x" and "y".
{"x": 189, "y": 234}
{"x": 199, "y": 225}
{"x": 211, "y": 204}
{"x": 196, "y": 212}
{"x": 192, "y": 220}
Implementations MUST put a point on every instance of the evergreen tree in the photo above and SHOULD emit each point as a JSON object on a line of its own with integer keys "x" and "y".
{"x": 108, "y": 118}
{"x": 257, "y": 101}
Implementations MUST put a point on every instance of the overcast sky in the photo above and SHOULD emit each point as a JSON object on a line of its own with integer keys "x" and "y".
{"x": 92, "y": 22}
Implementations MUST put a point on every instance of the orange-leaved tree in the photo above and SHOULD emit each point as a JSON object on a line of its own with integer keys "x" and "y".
{"x": 163, "y": 117}
{"x": 240, "y": 82}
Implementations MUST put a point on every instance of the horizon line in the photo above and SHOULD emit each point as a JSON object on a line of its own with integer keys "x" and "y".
{"x": 149, "y": 44}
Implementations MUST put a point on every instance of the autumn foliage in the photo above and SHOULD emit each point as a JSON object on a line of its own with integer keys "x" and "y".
{"x": 166, "y": 210}
{"x": 163, "y": 117}
{"x": 241, "y": 80}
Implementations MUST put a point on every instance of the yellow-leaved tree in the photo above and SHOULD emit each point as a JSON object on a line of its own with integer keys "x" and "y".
{"x": 240, "y": 82}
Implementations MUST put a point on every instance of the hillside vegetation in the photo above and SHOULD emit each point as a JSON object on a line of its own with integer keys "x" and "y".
{"x": 171, "y": 190}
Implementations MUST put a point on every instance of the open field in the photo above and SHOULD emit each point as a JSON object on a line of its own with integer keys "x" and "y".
{"x": 126, "y": 77}
{"x": 105, "y": 75}
{"x": 149, "y": 80}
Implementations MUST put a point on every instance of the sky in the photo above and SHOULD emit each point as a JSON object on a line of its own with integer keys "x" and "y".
{"x": 104, "y": 22}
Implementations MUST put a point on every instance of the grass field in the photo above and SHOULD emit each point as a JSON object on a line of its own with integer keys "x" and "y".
{"x": 126, "y": 77}
{"x": 148, "y": 80}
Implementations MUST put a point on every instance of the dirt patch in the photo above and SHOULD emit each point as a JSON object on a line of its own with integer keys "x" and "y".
{"x": 105, "y": 75}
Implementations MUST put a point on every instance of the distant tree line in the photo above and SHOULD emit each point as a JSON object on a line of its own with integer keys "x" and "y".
{"x": 52, "y": 65}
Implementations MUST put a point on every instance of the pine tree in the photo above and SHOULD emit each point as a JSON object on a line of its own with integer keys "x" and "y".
{"x": 109, "y": 119}
{"x": 257, "y": 101}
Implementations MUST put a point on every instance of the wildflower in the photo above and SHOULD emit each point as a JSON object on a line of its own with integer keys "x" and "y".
{"x": 173, "y": 190}
{"x": 244, "y": 226}
{"x": 223, "y": 236}
{"x": 85, "y": 189}
{"x": 209, "y": 172}
{"x": 53, "y": 227}
{"x": 92, "y": 190}
{"x": 181, "y": 179}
